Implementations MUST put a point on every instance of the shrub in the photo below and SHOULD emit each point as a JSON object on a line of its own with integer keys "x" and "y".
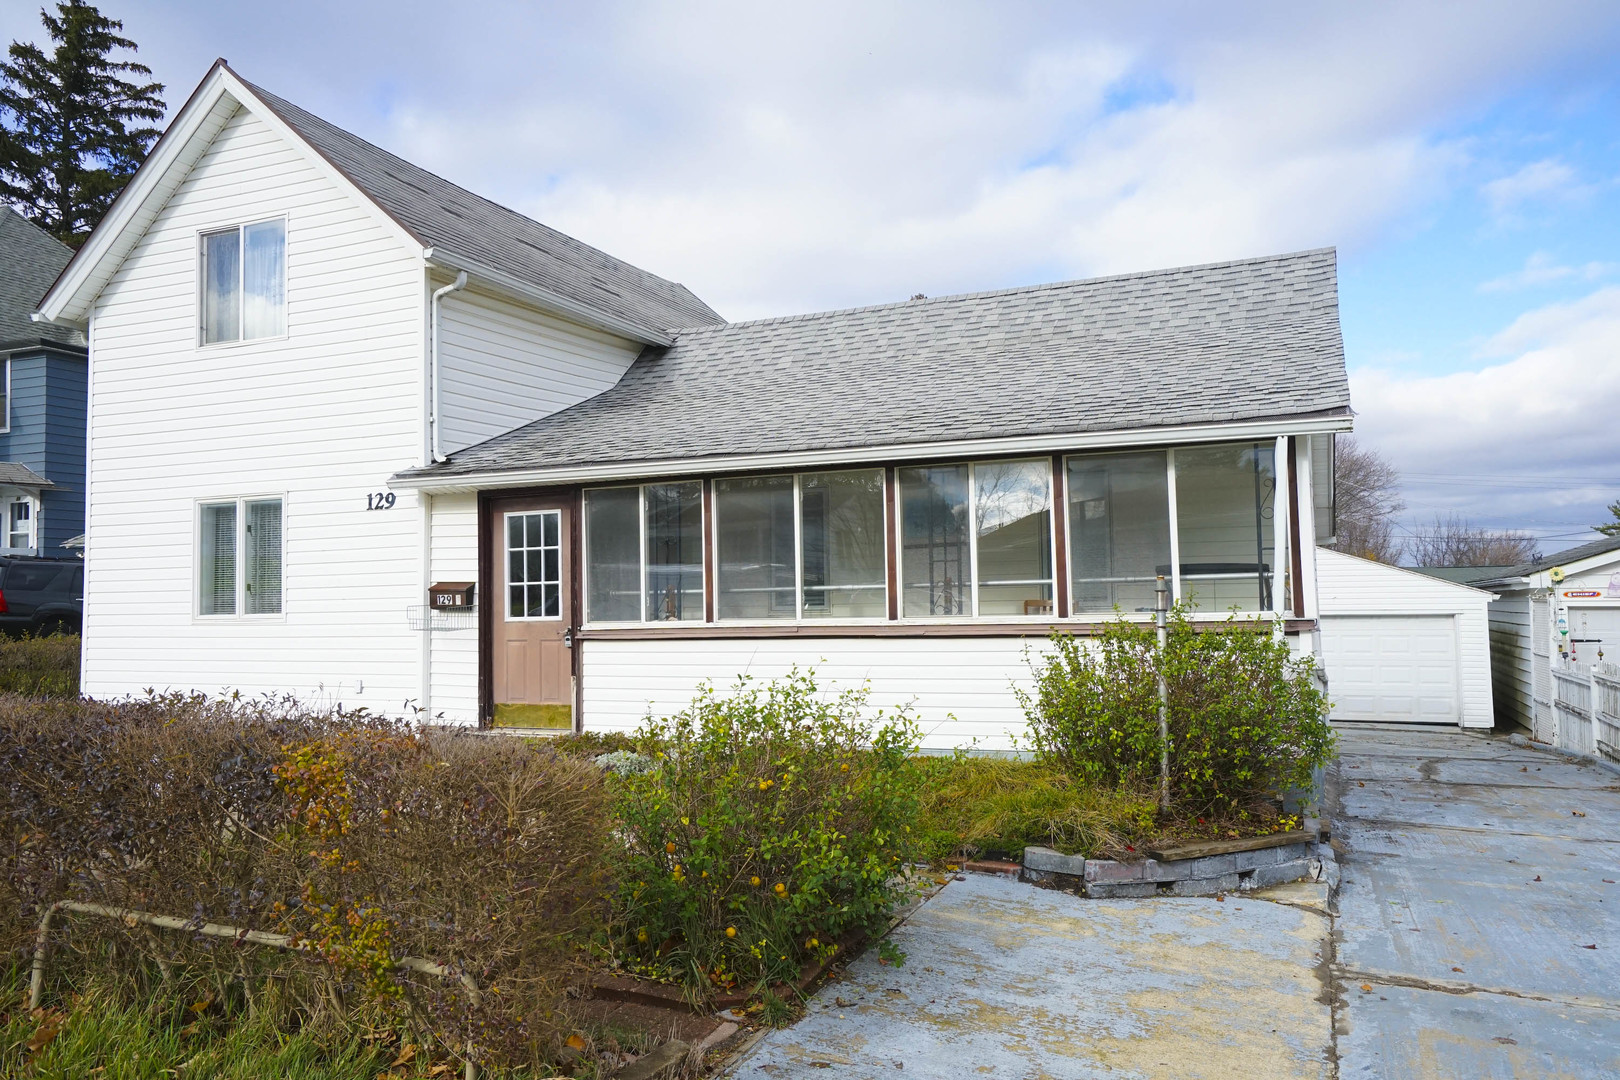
{"x": 777, "y": 820}
{"x": 364, "y": 839}
{"x": 1246, "y": 719}
{"x": 40, "y": 666}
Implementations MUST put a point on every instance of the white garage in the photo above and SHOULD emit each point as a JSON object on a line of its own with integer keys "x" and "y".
{"x": 1402, "y": 647}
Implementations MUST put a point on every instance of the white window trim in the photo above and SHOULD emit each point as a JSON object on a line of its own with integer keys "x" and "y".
{"x": 33, "y": 504}
{"x": 5, "y": 420}
{"x": 506, "y": 574}
{"x": 240, "y": 614}
{"x": 1052, "y": 509}
{"x": 202, "y": 282}
{"x": 1280, "y": 538}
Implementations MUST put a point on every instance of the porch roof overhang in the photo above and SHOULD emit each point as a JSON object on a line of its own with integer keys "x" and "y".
{"x": 14, "y": 474}
{"x": 606, "y": 472}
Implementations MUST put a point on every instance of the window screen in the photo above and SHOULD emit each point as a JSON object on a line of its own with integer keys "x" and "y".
{"x": 845, "y": 570}
{"x": 263, "y": 557}
{"x": 754, "y": 547}
{"x": 613, "y": 555}
{"x": 1119, "y": 530}
{"x": 936, "y": 561}
{"x": 674, "y": 529}
{"x": 1225, "y": 503}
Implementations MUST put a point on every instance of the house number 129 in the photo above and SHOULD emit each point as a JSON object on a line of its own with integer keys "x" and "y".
{"x": 382, "y": 500}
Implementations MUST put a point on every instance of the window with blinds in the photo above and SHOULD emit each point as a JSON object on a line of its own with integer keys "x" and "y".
{"x": 239, "y": 557}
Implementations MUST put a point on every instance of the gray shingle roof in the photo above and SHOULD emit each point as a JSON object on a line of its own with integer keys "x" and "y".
{"x": 1601, "y": 546}
{"x": 1246, "y": 340}
{"x": 30, "y": 259}
{"x": 21, "y": 476}
{"x": 440, "y": 214}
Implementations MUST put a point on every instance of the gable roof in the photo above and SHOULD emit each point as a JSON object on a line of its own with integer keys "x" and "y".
{"x": 1603, "y": 545}
{"x": 30, "y": 259}
{"x": 1252, "y": 340}
{"x": 450, "y": 226}
{"x": 457, "y": 223}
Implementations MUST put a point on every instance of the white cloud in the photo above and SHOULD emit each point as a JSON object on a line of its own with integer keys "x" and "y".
{"x": 1542, "y": 269}
{"x": 1528, "y": 435}
{"x": 1536, "y": 182}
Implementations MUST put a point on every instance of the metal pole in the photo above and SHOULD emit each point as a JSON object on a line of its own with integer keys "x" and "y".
{"x": 1161, "y": 608}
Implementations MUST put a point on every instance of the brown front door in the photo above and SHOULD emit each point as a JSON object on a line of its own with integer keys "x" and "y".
{"x": 531, "y": 608}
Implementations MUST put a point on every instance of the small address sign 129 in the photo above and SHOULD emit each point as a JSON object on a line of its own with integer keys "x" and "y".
{"x": 381, "y": 500}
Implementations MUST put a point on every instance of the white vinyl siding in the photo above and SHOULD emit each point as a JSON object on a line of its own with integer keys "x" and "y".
{"x": 453, "y": 653}
{"x": 1355, "y": 593}
{"x": 324, "y": 414}
{"x": 961, "y": 687}
{"x": 505, "y": 365}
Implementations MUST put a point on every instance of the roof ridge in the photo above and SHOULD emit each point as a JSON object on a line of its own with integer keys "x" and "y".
{"x": 985, "y": 294}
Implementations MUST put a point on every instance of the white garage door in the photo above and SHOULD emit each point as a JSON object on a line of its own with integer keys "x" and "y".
{"x": 1392, "y": 668}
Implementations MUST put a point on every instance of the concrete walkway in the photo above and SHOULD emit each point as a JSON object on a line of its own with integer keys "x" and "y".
{"x": 1005, "y": 979}
{"x": 1472, "y": 887}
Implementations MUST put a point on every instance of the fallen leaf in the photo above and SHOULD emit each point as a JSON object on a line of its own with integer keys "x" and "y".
{"x": 1456, "y": 969}
{"x": 1366, "y": 988}
{"x": 1538, "y": 877}
{"x": 50, "y": 1026}
{"x": 575, "y": 1042}
{"x": 1578, "y": 813}
{"x": 1608, "y": 881}
{"x": 1505, "y": 1041}
{"x": 406, "y": 1053}
{"x": 1588, "y": 946}
{"x": 1361, "y": 783}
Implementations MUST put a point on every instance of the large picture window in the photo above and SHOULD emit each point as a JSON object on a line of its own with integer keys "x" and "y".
{"x": 1225, "y": 504}
{"x": 976, "y": 539}
{"x": 244, "y": 282}
{"x": 1119, "y": 530}
{"x": 239, "y": 557}
{"x": 644, "y": 553}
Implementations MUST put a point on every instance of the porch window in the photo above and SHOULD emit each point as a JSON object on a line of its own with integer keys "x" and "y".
{"x": 976, "y": 539}
{"x": 239, "y": 557}
{"x": 673, "y": 516}
{"x": 613, "y": 555}
{"x": 244, "y": 282}
{"x": 807, "y": 546}
{"x": 1225, "y": 504}
{"x": 1119, "y": 529}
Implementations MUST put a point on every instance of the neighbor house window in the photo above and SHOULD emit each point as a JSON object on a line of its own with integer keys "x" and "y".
{"x": 808, "y": 546}
{"x": 239, "y": 557}
{"x": 1217, "y": 548}
{"x": 244, "y": 282}
{"x": 976, "y": 539}
{"x": 20, "y": 524}
{"x": 5, "y": 399}
{"x": 644, "y": 553}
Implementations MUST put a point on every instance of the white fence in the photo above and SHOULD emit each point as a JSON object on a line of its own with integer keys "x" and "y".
{"x": 1586, "y": 708}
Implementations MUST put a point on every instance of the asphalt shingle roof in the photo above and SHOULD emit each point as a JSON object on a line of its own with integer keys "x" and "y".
{"x": 1246, "y": 340}
{"x": 1601, "y": 546}
{"x": 19, "y": 475}
{"x": 30, "y": 259}
{"x": 440, "y": 214}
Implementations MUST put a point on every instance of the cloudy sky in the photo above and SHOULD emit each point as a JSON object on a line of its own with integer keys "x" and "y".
{"x": 1463, "y": 157}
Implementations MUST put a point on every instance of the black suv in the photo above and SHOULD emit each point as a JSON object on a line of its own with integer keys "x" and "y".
{"x": 40, "y": 596}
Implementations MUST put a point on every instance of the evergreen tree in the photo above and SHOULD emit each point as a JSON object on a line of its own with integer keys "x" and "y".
{"x": 1611, "y": 528}
{"x": 73, "y": 128}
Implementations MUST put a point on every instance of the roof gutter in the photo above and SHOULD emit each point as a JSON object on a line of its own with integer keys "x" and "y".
{"x": 871, "y": 455}
{"x": 573, "y": 310}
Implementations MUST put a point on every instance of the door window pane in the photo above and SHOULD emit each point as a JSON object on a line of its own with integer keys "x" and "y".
{"x": 674, "y": 515}
{"x": 222, "y": 276}
{"x": 19, "y": 532}
{"x": 1119, "y": 530}
{"x": 1012, "y": 506}
{"x": 263, "y": 557}
{"x": 613, "y": 555}
{"x": 264, "y": 264}
{"x": 753, "y": 523}
{"x": 935, "y": 561}
{"x": 1225, "y": 500}
{"x": 841, "y": 520}
{"x": 217, "y": 570}
{"x": 534, "y": 565}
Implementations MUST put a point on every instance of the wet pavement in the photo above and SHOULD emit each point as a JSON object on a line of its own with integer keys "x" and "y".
{"x": 1473, "y": 884}
{"x": 1476, "y": 876}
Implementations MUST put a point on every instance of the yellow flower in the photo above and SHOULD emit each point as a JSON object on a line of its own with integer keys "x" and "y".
{"x": 641, "y": 936}
{"x": 844, "y": 767}
{"x": 763, "y": 784}
{"x": 812, "y": 943}
{"x": 684, "y": 821}
{"x": 754, "y": 881}
{"x": 670, "y": 847}
{"x": 781, "y": 889}
{"x": 704, "y": 874}
{"x": 731, "y": 931}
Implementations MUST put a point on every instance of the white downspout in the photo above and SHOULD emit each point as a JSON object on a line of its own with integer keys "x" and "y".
{"x": 433, "y": 317}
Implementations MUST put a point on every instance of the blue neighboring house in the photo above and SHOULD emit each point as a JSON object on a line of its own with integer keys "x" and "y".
{"x": 42, "y": 401}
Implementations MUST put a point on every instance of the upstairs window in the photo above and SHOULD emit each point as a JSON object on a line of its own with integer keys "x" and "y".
{"x": 239, "y": 557}
{"x": 244, "y": 282}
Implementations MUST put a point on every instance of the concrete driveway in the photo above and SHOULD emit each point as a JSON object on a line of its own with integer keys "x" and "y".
{"x": 1472, "y": 890}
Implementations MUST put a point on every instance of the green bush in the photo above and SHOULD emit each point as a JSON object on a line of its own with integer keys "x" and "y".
{"x": 1246, "y": 719}
{"x": 40, "y": 666}
{"x": 776, "y": 821}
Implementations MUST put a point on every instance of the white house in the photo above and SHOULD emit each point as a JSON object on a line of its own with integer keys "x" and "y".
{"x": 325, "y": 381}
{"x": 1400, "y": 646}
{"x": 1560, "y": 613}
